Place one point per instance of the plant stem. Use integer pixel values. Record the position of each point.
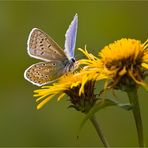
(133, 98)
(99, 131)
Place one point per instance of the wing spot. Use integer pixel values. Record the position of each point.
(42, 53)
(49, 45)
(54, 64)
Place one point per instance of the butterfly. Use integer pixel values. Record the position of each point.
(56, 61)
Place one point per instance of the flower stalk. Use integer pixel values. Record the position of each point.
(133, 98)
(99, 131)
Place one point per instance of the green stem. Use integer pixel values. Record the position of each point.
(99, 131)
(133, 98)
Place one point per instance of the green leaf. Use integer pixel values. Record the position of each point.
(126, 106)
(100, 104)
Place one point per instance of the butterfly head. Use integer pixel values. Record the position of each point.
(73, 65)
(72, 60)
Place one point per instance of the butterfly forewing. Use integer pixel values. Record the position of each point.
(70, 38)
(44, 72)
(43, 47)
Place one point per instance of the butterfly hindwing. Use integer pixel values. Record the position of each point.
(43, 47)
(44, 72)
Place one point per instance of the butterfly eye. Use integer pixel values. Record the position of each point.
(73, 60)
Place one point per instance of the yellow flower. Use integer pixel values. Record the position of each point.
(69, 85)
(124, 62)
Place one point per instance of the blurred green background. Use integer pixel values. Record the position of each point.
(100, 23)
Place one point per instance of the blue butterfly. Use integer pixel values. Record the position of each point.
(57, 61)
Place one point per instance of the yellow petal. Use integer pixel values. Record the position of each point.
(123, 71)
(61, 96)
(144, 65)
(39, 106)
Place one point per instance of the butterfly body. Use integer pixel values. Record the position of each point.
(56, 61)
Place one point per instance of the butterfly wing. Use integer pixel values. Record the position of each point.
(70, 36)
(41, 46)
(44, 72)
